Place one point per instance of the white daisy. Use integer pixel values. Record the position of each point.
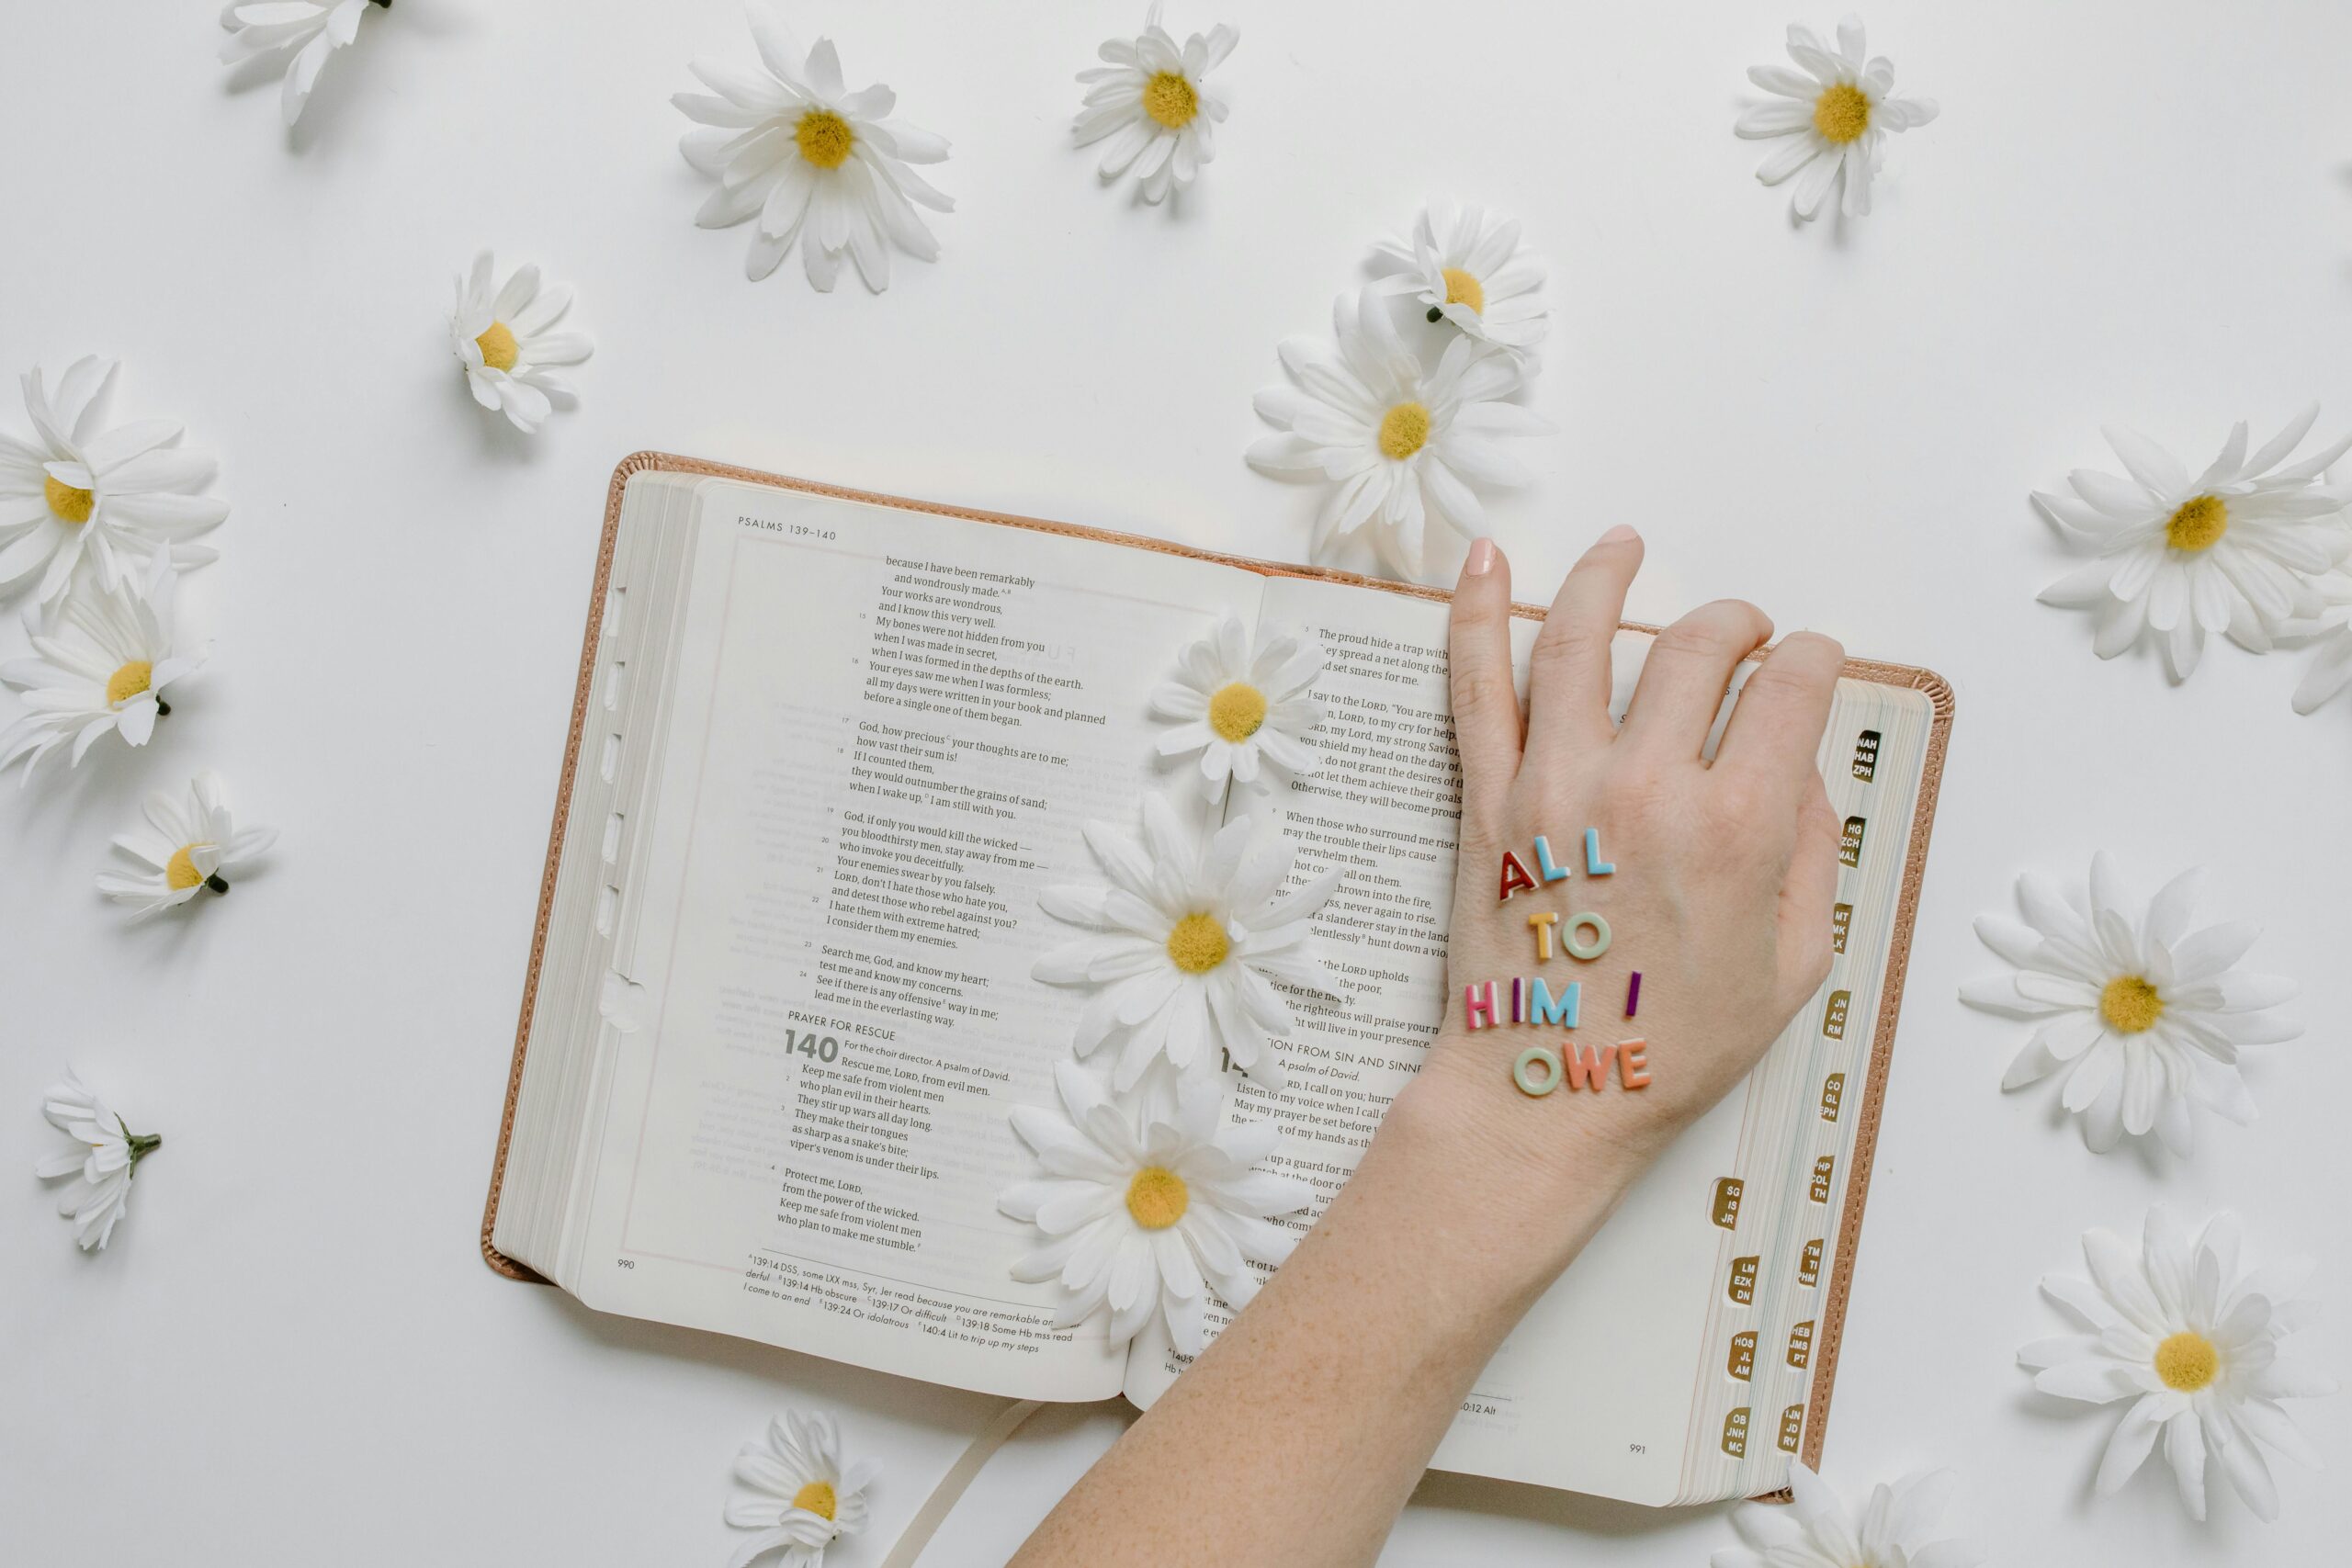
(1140, 1217)
(803, 1498)
(1154, 101)
(190, 844)
(79, 490)
(1837, 111)
(2329, 630)
(2176, 1327)
(813, 160)
(2140, 1014)
(1234, 708)
(100, 663)
(1183, 944)
(1896, 1529)
(105, 1155)
(503, 335)
(2230, 550)
(1401, 445)
(1466, 266)
(306, 31)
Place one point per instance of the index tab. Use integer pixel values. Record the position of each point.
(1809, 1267)
(1801, 1345)
(1866, 755)
(1791, 1427)
(1850, 842)
(1841, 922)
(1736, 1433)
(1833, 1095)
(1743, 1280)
(1833, 1017)
(1821, 1168)
(1742, 1361)
(1727, 1208)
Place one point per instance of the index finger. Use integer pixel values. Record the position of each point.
(1776, 725)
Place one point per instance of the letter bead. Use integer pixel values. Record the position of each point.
(1515, 877)
(1478, 1005)
(1593, 864)
(1590, 948)
(1544, 865)
(1532, 1082)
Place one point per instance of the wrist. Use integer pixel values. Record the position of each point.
(1498, 1193)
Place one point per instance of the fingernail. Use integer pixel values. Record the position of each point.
(1482, 559)
(1618, 534)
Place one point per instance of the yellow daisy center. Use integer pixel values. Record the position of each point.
(2198, 525)
(180, 872)
(824, 139)
(1197, 944)
(1156, 1198)
(497, 345)
(1237, 711)
(1461, 288)
(1170, 100)
(65, 503)
(2187, 1362)
(128, 681)
(1842, 113)
(1403, 430)
(2130, 1005)
(818, 1498)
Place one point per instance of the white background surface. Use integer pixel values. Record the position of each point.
(2132, 210)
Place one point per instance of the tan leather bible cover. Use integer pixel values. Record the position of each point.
(1831, 1332)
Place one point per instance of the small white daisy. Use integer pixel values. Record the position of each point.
(1234, 708)
(1837, 111)
(1401, 445)
(1896, 1529)
(99, 664)
(2140, 1015)
(803, 1498)
(1140, 1217)
(2329, 631)
(190, 844)
(814, 161)
(79, 490)
(2176, 1326)
(105, 1157)
(1154, 101)
(2232, 549)
(306, 31)
(1465, 266)
(1184, 943)
(504, 335)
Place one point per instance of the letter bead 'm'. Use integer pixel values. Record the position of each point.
(1525, 1074)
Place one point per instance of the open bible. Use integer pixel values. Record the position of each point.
(826, 749)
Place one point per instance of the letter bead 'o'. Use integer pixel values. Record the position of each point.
(1570, 936)
(1537, 1071)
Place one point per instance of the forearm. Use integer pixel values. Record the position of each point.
(1297, 1435)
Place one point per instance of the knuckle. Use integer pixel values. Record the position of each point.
(1561, 646)
(1780, 678)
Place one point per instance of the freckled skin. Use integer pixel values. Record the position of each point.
(1297, 1435)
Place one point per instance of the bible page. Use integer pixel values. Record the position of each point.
(887, 730)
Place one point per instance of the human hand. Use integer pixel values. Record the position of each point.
(1725, 872)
